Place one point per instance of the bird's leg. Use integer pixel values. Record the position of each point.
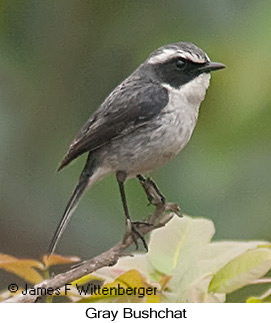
(155, 196)
(132, 226)
(148, 184)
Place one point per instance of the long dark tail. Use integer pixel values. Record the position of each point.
(73, 202)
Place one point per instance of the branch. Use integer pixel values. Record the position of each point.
(110, 257)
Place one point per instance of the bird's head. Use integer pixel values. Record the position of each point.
(179, 63)
(183, 67)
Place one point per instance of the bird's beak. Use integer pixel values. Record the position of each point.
(211, 66)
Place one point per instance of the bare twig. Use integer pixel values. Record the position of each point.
(110, 257)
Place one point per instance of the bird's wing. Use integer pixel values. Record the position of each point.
(128, 107)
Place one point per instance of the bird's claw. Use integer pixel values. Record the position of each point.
(132, 230)
(152, 191)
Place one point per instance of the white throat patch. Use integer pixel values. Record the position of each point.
(194, 91)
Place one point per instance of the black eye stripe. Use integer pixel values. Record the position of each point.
(186, 63)
(180, 63)
(177, 71)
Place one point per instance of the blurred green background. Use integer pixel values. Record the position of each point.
(60, 59)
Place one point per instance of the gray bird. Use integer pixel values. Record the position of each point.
(143, 123)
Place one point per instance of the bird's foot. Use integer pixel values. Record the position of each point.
(132, 229)
(173, 207)
(152, 191)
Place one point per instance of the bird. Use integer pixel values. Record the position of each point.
(142, 124)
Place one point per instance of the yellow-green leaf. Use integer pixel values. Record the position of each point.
(85, 279)
(54, 259)
(265, 298)
(131, 280)
(241, 271)
(22, 267)
(179, 237)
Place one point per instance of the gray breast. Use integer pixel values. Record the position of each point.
(161, 139)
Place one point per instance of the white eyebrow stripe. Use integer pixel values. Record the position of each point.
(165, 55)
(168, 54)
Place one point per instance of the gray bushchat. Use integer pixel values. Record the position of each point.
(143, 123)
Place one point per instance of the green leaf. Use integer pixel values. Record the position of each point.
(197, 292)
(241, 271)
(265, 298)
(182, 255)
(203, 259)
(176, 240)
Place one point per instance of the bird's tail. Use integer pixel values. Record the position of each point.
(84, 181)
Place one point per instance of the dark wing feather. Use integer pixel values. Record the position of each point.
(128, 107)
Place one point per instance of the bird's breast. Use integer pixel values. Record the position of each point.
(178, 121)
(161, 139)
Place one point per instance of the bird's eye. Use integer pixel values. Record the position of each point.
(180, 64)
